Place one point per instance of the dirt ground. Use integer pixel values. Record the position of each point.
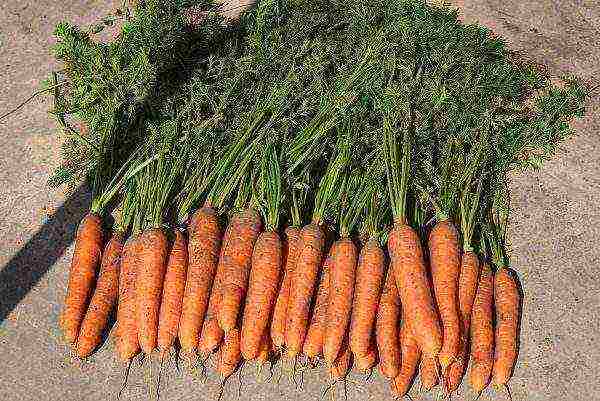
(555, 230)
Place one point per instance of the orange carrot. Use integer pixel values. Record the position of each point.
(230, 356)
(127, 328)
(428, 372)
(369, 280)
(212, 334)
(313, 342)
(237, 258)
(262, 292)
(507, 300)
(150, 276)
(203, 252)
(264, 350)
(172, 296)
(411, 353)
(302, 287)
(409, 269)
(340, 367)
(387, 328)
(86, 257)
(367, 361)
(445, 269)
(341, 280)
(291, 247)
(467, 287)
(104, 298)
(482, 331)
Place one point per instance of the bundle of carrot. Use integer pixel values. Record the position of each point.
(320, 180)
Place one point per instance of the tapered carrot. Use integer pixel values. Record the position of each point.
(341, 281)
(104, 299)
(428, 372)
(369, 280)
(367, 361)
(127, 343)
(340, 367)
(86, 257)
(203, 253)
(482, 331)
(313, 342)
(237, 258)
(467, 287)
(150, 277)
(409, 269)
(212, 334)
(230, 356)
(445, 269)
(302, 287)
(291, 247)
(264, 350)
(507, 301)
(411, 353)
(172, 295)
(387, 328)
(262, 292)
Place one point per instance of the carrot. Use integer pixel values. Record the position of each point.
(411, 353)
(212, 334)
(428, 372)
(367, 361)
(150, 276)
(230, 356)
(369, 280)
(291, 247)
(482, 331)
(127, 327)
(172, 296)
(340, 367)
(104, 298)
(387, 328)
(237, 258)
(302, 287)
(341, 279)
(264, 350)
(313, 342)
(86, 257)
(262, 292)
(445, 269)
(507, 301)
(203, 250)
(408, 266)
(467, 287)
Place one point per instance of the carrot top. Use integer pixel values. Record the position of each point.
(269, 183)
(397, 156)
(329, 185)
(208, 144)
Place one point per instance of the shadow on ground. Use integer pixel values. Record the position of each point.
(34, 260)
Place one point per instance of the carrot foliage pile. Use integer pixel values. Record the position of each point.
(317, 179)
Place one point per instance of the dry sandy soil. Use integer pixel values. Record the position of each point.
(554, 229)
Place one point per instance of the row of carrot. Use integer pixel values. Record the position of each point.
(249, 293)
